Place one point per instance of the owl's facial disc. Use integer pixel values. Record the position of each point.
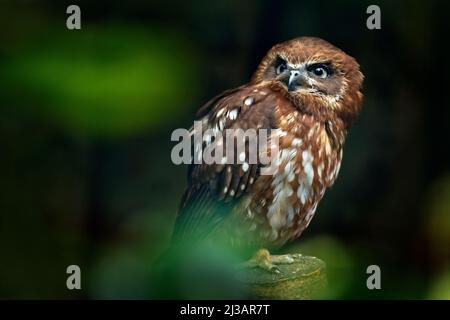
(307, 77)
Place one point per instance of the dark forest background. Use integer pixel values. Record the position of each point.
(86, 118)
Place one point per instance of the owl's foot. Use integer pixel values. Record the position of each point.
(264, 260)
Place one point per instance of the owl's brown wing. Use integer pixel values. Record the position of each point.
(214, 189)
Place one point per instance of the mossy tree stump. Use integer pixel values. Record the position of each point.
(301, 280)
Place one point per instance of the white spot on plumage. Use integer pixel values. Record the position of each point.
(291, 177)
(220, 112)
(281, 211)
(290, 214)
(232, 193)
(242, 156)
(310, 214)
(328, 148)
(248, 101)
(312, 132)
(307, 156)
(302, 192)
(296, 142)
(293, 153)
(288, 168)
(289, 171)
(289, 191)
(320, 169)
(245, 167)
(309, 171)
(306, 179)
(233, 114)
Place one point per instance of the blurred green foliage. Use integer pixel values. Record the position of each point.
(113, 80)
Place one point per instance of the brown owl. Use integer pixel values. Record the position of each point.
(309, 91)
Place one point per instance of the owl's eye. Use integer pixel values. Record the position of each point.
(281, 68)
(319, 70)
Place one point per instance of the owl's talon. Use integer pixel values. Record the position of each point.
(264, 260)
(284, 259)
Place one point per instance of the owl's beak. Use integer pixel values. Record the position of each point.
(295, 79)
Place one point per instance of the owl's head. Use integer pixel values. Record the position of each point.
(317, 77)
